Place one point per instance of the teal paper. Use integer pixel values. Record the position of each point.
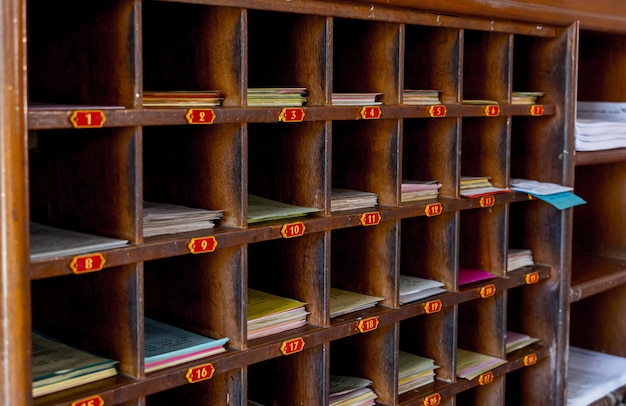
(561, 200)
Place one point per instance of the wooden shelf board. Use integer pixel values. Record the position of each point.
(592, 275)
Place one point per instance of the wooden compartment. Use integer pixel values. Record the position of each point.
(194, 47)
(82, 311)
(185, 165)
(363, 260)
(481, 328)
(366, 58)
(86, 180)
(482, 241)
(365, 158)
(292, 268)
(432, 336)
(432, 57)
(299, 150)
(287, 50)
(80, 57)
(287, 379)
(372, 356)
(486, 66)
(430, 152)
(428, 247)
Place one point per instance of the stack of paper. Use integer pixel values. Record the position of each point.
(414, 190)
(344, 301)
(162, 218)
(518, 258)
(207, 98)
(420, 97)
(57, 366)
(476, 186)
(592, 375)
(600, 126)
(515, 341)
(348, 199)
(471, 364)
(262, 209)
(414, 371)
(348, 391)
(356, 99)
(468, 275)
(166, 345)
(270, 314)
(413, 288)
(525, 97)
(557, 195)
(48, 242)
(479, 102)
(277, 96)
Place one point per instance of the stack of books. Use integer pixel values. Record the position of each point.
(515, 341)
(420, 97)
(470, 364)
(592, 375)
(208, 98)
(600, 126)
(162, 218)
(525, 97)
(166, 345)
(48, 242)
(518, 258)
(414, 190)
(476, 186)
(349, 391)
(263, 209)
(277, 96)
(57, 366)
(270, 314)
(413, 288)
(344, 301)
(356, 99)
(414, 371)
(348, 199)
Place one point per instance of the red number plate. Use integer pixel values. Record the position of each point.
(432, 400)
(530, 359)
(485, 378)
(433, 306)
(293, 230)
(87, 119)
(369, 324)
(92, 401)
(492, 111)
(487, 291)
(371, 112)
(437, 111)
(536, 110)
(87, 263)
(370, 219)
(292, 346)
(531, 278)
(200, 373)
(291, 115)
(200, 116)
(203, 244)
(487, 201)
(434, 209)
